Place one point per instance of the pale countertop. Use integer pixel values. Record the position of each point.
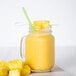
(65, 60)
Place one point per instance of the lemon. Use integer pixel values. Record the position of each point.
(3, 71)
(26, 70)
(15, 64)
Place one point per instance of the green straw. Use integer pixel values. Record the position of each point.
(27, 17)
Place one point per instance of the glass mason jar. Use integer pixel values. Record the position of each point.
(39, 50)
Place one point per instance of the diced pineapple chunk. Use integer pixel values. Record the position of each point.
(37, 25)
(41, 25)
(3, 71)
(26, 70)
(3, 64)
(15, 73)
(45, 25)
(15, 64)
(25, 63)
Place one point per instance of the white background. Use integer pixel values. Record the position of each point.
(61, 12)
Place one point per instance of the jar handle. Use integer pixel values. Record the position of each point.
(21, 46)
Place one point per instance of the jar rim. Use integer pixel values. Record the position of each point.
(45, 30)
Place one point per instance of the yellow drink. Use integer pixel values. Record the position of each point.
(39, 47)
(40, 51)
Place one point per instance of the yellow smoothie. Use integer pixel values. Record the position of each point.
(40, 50)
